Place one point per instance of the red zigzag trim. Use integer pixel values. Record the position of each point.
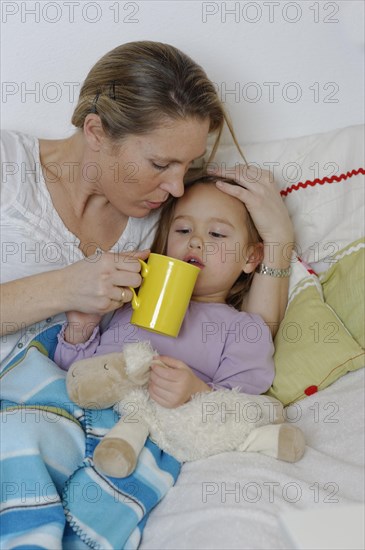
(310, 183)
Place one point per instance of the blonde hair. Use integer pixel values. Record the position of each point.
(135, 87)
(159, 245)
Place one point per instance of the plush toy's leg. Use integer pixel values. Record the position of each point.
(117, 453)
(282, 441)
(275, 410)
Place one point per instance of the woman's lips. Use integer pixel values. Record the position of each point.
(153, 205)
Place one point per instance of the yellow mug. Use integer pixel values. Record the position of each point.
(164, 294)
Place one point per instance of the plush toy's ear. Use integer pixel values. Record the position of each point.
(138, 358)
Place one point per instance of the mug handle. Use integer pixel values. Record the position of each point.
(135, 302)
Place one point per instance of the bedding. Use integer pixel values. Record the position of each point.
(235, 500)
(47, 443)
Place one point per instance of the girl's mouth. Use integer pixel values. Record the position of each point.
(194, 260)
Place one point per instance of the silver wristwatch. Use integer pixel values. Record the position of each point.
(263, 269)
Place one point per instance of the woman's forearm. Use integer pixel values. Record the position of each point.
(91, 285)
(268, 296)
(30, 300)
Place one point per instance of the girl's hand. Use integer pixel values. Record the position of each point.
(258, 191)
(82, 319)
(80, 326)
(172, 382)
(99, 284)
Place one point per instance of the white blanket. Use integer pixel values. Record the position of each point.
(233, 500)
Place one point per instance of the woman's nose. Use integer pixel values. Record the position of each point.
(175, 188)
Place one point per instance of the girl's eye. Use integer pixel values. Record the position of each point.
(159, 166)
(217, 235)
(183, 231)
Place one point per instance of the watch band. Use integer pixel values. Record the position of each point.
(263, 269)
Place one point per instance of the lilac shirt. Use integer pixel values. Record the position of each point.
(224, 347)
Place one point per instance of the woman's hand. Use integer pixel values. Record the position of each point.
(172, 382)
(259, 192)
(99, 284)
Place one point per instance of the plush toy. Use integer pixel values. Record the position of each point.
(210, 423)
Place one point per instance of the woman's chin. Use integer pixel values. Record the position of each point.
(143, 209)
(140, 211)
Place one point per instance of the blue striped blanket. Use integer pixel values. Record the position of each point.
(51, 494)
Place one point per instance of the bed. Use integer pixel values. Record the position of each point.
(231, 500)
(238, 501)
(242, 501)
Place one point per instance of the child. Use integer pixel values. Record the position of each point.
(218, 345)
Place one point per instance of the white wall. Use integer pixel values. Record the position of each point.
(313, 49)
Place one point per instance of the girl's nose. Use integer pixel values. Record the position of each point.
(196, 242)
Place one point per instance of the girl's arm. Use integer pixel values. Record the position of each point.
(81, 337)
(80, 327)
(67, 353)
(247, 361)
(268, 295)
(247, 364)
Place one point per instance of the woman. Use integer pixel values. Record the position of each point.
(143, 116)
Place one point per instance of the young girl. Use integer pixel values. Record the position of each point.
(218, 345)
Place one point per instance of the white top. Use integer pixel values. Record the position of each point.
(33, 237)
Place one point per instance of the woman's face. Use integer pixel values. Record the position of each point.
(150, 167)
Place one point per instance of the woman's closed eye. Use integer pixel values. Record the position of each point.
(160, 167)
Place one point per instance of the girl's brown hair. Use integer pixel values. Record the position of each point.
(137, 86)
(159, 245)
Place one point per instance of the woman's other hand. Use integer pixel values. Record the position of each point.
(261, 196)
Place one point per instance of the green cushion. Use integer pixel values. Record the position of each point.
(313, 348)
(343, 288)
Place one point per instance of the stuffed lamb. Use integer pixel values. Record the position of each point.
(210, 423)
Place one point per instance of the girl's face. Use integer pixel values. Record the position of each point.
(209, 230)
(150, 167)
